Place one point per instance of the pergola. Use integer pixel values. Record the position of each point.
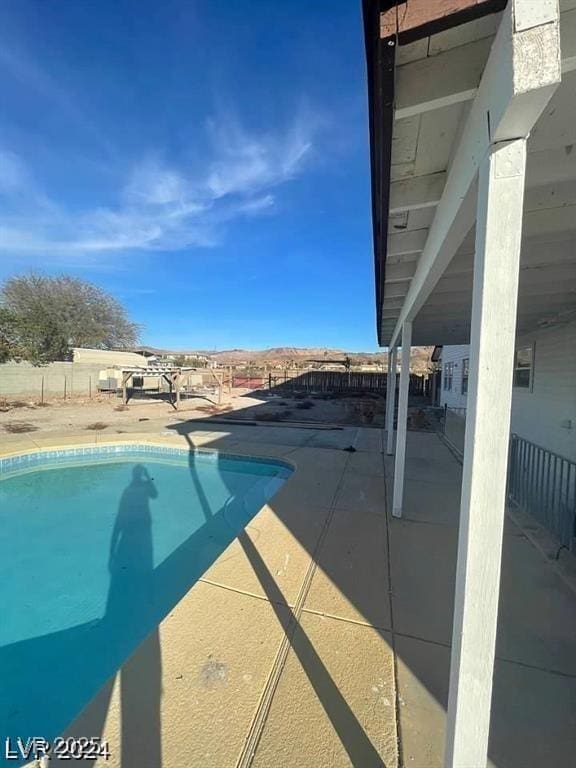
(173, 375)
(473, 152)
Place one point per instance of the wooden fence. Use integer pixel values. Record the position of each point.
(314, 381)
(324, 381)
(340, 381)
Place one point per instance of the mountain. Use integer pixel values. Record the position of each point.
(276, 354)
(420, 356)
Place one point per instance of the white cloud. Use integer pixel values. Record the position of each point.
(246, 164)
(153, 184)
(13, 175)
(159, 207)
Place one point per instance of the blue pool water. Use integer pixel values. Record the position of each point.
(94, 551)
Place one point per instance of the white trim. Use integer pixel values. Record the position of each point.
(402, 425)
(391, 401)
(532, 348)
(493, 329)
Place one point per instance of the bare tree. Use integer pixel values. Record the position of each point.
(42, 318)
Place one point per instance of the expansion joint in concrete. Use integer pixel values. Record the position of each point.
(254, 734)
(391, 609)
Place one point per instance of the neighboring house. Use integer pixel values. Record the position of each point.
(108, 357)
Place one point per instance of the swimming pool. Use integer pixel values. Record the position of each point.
(96, 546)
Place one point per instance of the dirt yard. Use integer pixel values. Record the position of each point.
(106, 413)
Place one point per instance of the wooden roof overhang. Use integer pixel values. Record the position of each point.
(447, 80)
(389, 24)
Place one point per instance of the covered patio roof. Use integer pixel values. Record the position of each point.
(433, 111)
(473, 128)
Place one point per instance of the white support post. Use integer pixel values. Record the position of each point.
(402, 421)
(493, 323)
(391, 399)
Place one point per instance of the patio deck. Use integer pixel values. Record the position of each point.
(321, 635)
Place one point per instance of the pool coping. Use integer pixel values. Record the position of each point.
(158, 441)
(11, 463)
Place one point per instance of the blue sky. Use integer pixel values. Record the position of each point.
(206, 161)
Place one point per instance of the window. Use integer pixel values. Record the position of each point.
(448, 373)
(524, 367)
(465, 375)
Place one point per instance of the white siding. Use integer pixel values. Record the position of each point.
(454, 354)
(546, 414)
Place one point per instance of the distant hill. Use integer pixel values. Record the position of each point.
(276, 354)
(420, 356)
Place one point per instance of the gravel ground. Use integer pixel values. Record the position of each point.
(106, 413)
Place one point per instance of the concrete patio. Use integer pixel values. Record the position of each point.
(321, 636)
(533, 721)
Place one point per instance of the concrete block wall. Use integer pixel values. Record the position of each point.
(55, 379)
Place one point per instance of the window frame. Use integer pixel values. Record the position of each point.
(465, 376)
(517, 368)
(448, 376)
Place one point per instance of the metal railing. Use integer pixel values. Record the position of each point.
(540, 481)
(454, 427)
(543, 483)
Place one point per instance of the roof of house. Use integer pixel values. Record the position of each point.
(427, 73)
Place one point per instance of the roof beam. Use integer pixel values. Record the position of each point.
(529, 306)
(395, 296)
(417, 192)
(550, 256)
(400, 272)
(545, 170)
(522, 72)
(403, 243)
(568, 40)
(458, 291)
(453, 76)
(439, 81)
(395, 302)
(542, 225)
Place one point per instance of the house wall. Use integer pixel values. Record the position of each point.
(63, 379)
(454, 398)
(545, 414)
(107, 357)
